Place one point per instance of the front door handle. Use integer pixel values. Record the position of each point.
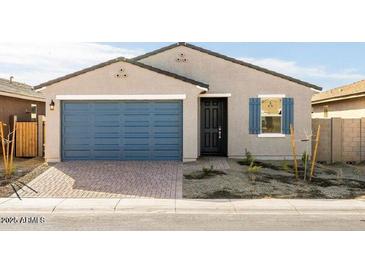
(219, 132)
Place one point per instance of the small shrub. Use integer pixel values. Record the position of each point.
(285, 166)
(248, 159)
(339, 175)
(203, 173)
(253, 170)
(207, 171)
(358, 172)
(305, 158)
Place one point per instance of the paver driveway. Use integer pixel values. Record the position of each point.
(109, 179)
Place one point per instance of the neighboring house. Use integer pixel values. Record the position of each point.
(343, 102)
(176, 103)
(21, 100)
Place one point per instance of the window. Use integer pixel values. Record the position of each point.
(33, 113)
(271, 115)
(325, 111)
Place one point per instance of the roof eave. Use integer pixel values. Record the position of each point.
(22, 96)
(338, 98)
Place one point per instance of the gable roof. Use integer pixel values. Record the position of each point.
(340, 93)
(123, 59)
(230, 59)
(19, 90)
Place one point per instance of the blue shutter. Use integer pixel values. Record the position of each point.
(254, 115)
(288, 114)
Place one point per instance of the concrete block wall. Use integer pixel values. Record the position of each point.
(342, 140)
(336, 142)
(351, 140)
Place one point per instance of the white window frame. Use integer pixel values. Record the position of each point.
(272, 135)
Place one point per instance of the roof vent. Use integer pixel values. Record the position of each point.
(11, 79)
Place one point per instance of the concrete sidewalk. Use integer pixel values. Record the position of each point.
(221, 206)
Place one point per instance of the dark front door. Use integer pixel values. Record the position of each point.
(213, 126)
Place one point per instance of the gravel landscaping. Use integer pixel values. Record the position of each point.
(25, 171)
(273, 179)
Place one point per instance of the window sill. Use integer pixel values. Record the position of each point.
(271, 135)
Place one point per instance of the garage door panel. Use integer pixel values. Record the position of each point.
(136, 155)
(77, 154)
(163, 155)
(136, 141)
(75, 143)
(76, 107)
(136, 124)
(112, 119)
(106, 107)
(167, 141)
(167, 132)
(107, 131)
(124, 130)
(106, 154)
(77, 119)
(106, 141)
(137, 132)
(82, 130)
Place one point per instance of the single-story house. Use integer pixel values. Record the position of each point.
(176, 103)
(21, 100)
(342, 102)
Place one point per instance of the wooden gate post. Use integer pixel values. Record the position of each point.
(41, 119)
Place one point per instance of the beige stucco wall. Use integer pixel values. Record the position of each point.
(242, 82)
(103, 81)
(350, 108)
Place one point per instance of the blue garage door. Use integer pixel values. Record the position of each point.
(122, 130)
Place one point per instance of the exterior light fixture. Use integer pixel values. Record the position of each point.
(51, 105)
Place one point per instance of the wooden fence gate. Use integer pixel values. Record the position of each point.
(26, 144)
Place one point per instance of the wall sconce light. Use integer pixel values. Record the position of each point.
(51, 105)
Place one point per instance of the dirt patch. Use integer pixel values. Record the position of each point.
(329, 182)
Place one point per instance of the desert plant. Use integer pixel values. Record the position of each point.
(358, 172)
(248, 156)
(339, 175)
(305, 158)
(253, 170)
(285, 166)
(7, 145)
(208, 171)
(203, 173)
(248, 159)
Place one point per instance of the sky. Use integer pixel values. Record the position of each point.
(328, 65)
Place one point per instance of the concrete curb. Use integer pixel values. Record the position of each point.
(172, 206)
